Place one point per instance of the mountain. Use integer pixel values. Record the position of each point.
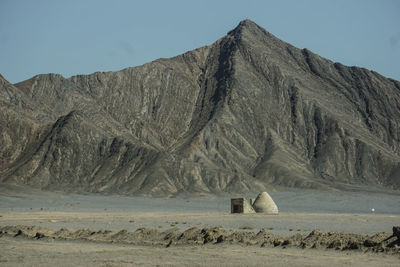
(245, 114)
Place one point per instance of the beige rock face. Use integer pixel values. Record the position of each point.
(265, 204)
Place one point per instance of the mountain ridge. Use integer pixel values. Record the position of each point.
(246, 113)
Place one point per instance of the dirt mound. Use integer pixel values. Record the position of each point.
(380, 242)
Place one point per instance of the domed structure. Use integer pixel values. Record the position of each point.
(265, 204)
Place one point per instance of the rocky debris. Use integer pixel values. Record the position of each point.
(395, 243)
(244, 114)
(380, 242)
(396, 231)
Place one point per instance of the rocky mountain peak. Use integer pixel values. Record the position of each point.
(250, 31)
(246, 26)
(245, 114)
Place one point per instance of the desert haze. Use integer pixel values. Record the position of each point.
(138, 166)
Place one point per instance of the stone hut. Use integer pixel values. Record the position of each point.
(262, 204)
(240, 205)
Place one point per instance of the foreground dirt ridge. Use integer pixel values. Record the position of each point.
(380, 242)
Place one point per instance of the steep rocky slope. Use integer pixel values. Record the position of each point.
(244, 114)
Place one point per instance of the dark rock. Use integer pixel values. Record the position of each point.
(370, 243)
(336, 244)
(39, 235)
(220, 239)
(396, 231)
(19, 233)
(277, 242)
(353, 245)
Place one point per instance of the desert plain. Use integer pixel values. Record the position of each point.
(313, 228)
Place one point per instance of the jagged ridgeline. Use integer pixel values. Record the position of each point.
(244, 114)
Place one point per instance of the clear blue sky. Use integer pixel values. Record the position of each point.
(80, 37)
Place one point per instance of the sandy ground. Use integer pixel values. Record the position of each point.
(43, 253)
(300, 212)
(284, 223)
